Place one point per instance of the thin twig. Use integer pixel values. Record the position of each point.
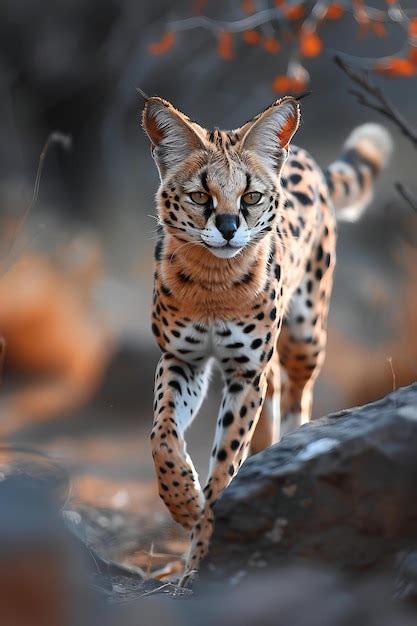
(380, 104)
(54, 138)
(156, 590)
(149, 564)
(394, 385)
(142, 93)
(407, 195)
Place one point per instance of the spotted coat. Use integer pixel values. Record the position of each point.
(241, 285)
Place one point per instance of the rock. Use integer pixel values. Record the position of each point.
(339, 491)
(49, 574)
(296, 596)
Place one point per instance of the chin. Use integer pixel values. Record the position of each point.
(227, 252)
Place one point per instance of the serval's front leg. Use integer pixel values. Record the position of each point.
(179, 391)
(235, 426)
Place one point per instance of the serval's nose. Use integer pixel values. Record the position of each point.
(227, 225)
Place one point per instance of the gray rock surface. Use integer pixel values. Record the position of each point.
(296, 596)
(340, 491)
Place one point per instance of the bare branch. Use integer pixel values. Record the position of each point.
(377, 100)
(396, 14)
(236, 26)
(142, 94)
(407, 195)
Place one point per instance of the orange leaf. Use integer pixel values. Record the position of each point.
(298, 85)
(285, 84)
(281, 83)
(164, 44)
(396, 66)
(248, 6)
(412, 28)
(334, 11)
(294, 12)
(412, 55)
(310, 44)
(271, 44)
(279, 3)
(251, 37)
(225, 45)
(378, 28)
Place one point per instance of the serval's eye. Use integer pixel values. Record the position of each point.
(199, 197)
(252, 197)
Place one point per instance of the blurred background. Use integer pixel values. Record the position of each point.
(76, 265)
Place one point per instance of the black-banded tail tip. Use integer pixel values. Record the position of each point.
(373, 142)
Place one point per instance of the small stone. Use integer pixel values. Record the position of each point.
(290, 490)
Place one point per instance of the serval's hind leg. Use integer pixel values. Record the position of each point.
(302, 342)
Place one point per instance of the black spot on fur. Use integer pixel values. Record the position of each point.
(165, 290)
(184, 278)
(228, 419)
(222, 455)
(175, 385)
(158, 250)
(302, 197)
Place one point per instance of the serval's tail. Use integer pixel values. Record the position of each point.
(352, 176)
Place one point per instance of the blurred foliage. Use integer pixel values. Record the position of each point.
(296, 25)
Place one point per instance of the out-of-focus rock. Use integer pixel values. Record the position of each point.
(339, 491)
(297, 596)
(48, 575)
(42, 577)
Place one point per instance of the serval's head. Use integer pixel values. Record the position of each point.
(219, 189)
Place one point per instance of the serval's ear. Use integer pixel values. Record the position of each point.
(270, 132)
(173, 136)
